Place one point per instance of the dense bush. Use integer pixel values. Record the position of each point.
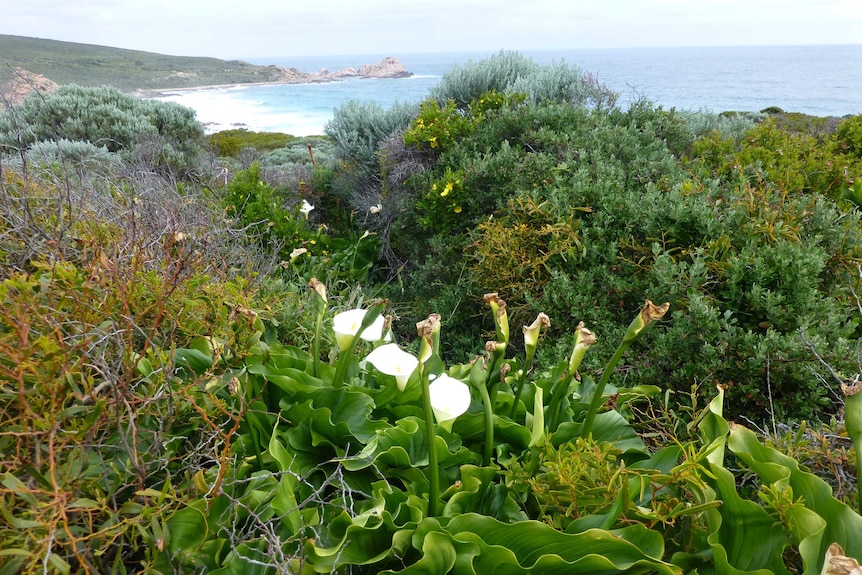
(514, 73)
(164, 135)
(748, 239)
(229, 143)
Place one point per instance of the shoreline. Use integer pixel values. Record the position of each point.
(166, 92)
(388, 68)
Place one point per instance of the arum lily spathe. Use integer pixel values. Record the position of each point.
(429, 335)
(347, 323)
(392, 360)
(501, 317)
(449, 399)
(532, 331)
(306, 208)
(584, 338)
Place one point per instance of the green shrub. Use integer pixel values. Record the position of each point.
(514, 73)
(229, 143)
(357, 129)
(745, 239)
(266, 213)
(164, 134)
(850, 136)
(791, 161)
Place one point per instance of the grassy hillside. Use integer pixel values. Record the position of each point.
(90, 65)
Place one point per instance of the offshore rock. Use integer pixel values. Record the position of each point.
(389, 67)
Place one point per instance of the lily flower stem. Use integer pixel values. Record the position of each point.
(559, 389)
(315, 345)
(517, 391)
(431, 435)
(489, 425)
(598, 392)
(521, 380)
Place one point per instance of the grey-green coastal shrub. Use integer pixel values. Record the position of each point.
(512, 72)
(357, 129)
(497, 73)
(76, 153)
(165, 135)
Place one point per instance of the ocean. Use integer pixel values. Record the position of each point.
(816, 80)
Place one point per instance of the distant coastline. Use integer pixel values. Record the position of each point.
(808, 80)
(33, 63)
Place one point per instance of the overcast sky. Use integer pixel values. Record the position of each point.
(262, 28)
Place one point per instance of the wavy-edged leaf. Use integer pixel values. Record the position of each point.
(608, 427)
(336, 417)
(842, 524)
(400, 446)
(743, 536)
(478, 492)
(534, 547)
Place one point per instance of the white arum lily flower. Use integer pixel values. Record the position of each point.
(306, 207)
(449, 399)
(392, 360)
(347, 323)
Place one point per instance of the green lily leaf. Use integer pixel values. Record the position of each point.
(192, 360)
(472, 425)
(743, 536)
(284, 503)
(336, 417)
(188, 530)
(400, 446)
(842, 524)
(478, 492)
(534, 547)
(609, 427)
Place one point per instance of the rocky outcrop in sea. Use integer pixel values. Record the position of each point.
(389, 67)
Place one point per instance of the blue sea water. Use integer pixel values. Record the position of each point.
(817, 80)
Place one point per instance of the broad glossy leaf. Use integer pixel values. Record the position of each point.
(188, 530)
(354, 544)
(743, 536)
(400, 446)
(480, 491)
(608, 427)
(336, 416)
(192, 360)
(534, 547)
(842, 524)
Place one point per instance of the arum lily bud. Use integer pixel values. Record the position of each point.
(429, 332)
(392, 360)
(837, 563)
(501, 317)
(318, 287)
(584, 338)
(449, 399)
(534, 330)
(853, 411)
(649, 313)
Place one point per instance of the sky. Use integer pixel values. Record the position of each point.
(236, 29)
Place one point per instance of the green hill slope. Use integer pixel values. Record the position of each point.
(128, 70)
